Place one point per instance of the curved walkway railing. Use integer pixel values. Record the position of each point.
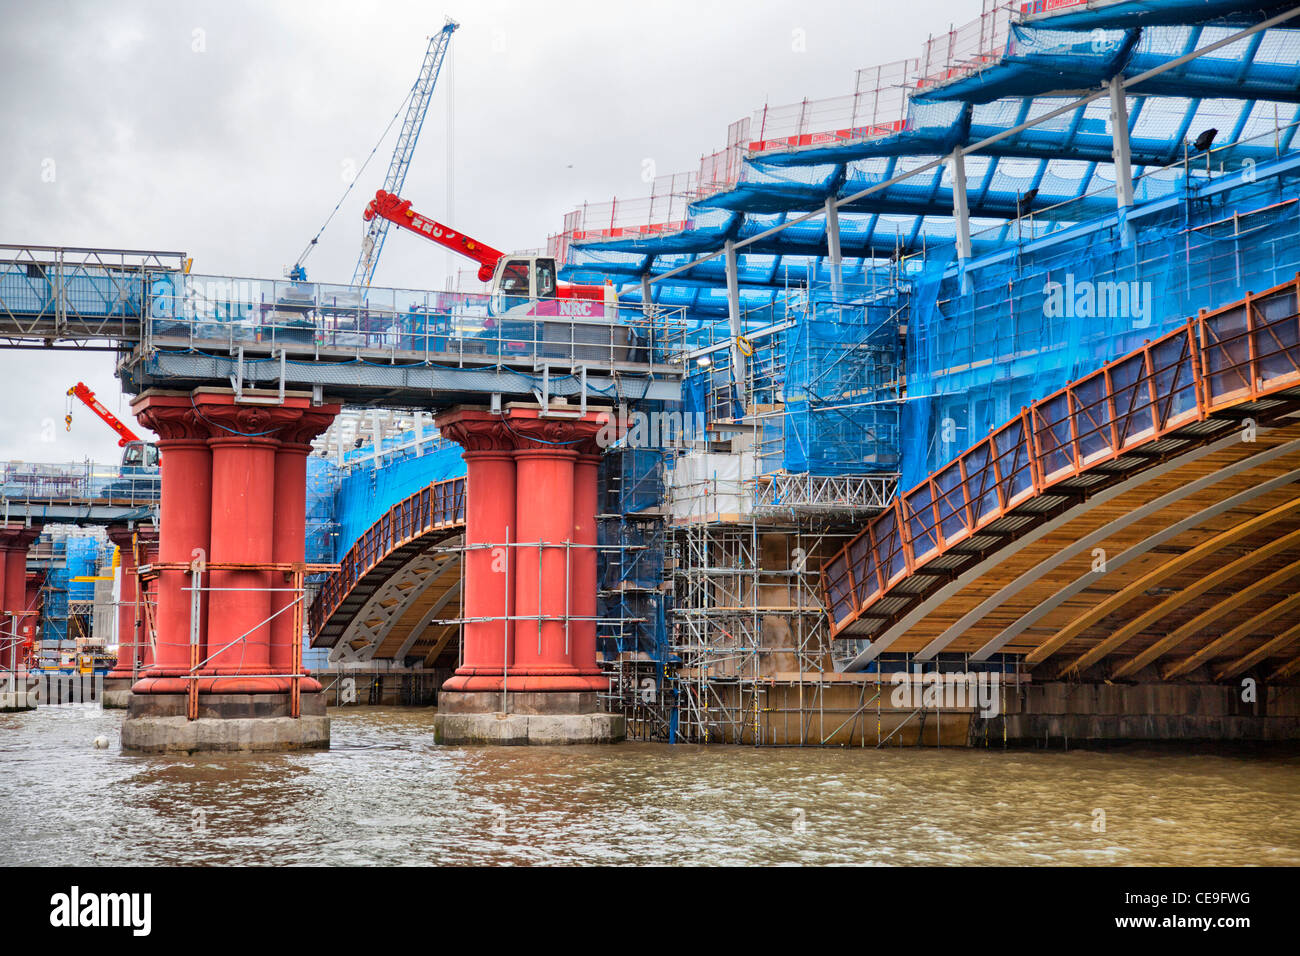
(1218, 360)
(440, 505)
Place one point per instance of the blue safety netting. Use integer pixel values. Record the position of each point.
(83, 559)
(840, 387)
(1016, 327)
(1240, 99)
(631, 480)
(631, 604)
(366, 493)
(322, 528)
(828, 375)
(1039, 58)
(72, 556)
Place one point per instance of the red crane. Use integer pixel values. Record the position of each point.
(521, 284)
(398, 210)
(124, 434)
(138, 456)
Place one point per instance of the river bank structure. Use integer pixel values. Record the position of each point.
(960, 409)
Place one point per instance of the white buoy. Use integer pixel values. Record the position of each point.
(101, 743)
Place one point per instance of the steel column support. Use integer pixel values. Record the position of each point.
(1119, 143)
(960, 208)
(1121, 154)
(738, 375)
(833, 246)
(960, 214)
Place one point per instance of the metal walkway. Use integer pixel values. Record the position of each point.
(399, 347)
(83, 494)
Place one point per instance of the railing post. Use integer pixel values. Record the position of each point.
(1031, 446)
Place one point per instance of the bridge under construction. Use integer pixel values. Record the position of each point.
(959, 409)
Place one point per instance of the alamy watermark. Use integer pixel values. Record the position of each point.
(652, 429)
(1084, 298)
(933, 690)
(31, 689)
(75, 909)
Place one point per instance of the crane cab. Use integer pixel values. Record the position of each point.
(519, 281)
(140, 456)
(528, 285)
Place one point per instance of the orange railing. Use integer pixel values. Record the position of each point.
(440, 505)
(1219, 359)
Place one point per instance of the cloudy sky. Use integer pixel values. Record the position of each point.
(228, 130)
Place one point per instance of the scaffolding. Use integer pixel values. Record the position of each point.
(633, 596)
(747, 618)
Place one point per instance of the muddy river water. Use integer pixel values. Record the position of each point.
(387, 794)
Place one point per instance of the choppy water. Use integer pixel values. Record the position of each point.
(387, 794)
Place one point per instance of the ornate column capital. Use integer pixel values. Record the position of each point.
(475, 429)
(294, 420)
(18, 537)
(171, 414)
(145, 536)
(523, 428)
(311, 423)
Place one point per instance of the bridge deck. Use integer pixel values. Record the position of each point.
(361, 344)
(80, 493)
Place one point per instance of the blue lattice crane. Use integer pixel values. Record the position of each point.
(372, 244)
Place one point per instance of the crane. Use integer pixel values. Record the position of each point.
(137, 452)
(372, 244)
(522, 284)
(80, 391)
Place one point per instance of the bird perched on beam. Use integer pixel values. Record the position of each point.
(1025, 203)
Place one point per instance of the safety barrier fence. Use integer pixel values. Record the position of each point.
(1235, 354)
(77, 483)
(44, 295)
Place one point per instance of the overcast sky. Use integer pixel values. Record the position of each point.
(226, 130)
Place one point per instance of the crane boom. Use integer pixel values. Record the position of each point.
(373, 242)
(124, 434)
(387, 207)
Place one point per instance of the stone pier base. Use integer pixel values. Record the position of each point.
(231, 723)
(1070, 714)
(117, 693)
(528, 718)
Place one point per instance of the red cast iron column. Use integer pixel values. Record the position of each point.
(583, 579)
(244, 438)
(128, 640)
(289, 531)
(489, 566)
(27, 630)
(14, 540)
(556, 503)
(7, 642)
(544, 502)
(185, 519)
